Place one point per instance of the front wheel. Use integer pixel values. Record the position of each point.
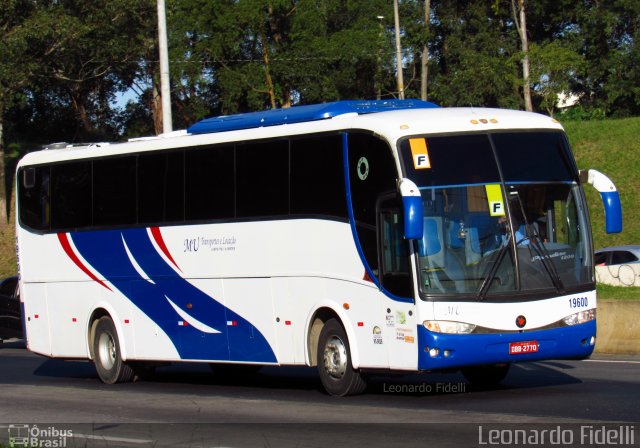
(106, 354)
(487, 375)
(334, 362)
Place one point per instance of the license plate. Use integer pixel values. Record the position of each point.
(521, 348)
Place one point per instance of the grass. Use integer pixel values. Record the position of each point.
(612, 147)
(608, 292)
(8, 264)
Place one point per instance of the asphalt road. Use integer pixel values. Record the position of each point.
(186, 405)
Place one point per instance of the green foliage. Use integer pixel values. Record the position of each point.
(608, 37)
(474, 71)
(612, 147)
(552, 69)
(608, 292)
(580, 113)
(65, 62)
(17, 64)
(266, 53)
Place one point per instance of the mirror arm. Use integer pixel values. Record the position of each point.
(610, 199)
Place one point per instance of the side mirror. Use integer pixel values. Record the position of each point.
(610, 199)
(413, 212)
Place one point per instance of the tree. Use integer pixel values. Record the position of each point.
(16, 71)
(424, 66)
(609, 34)
(257, 54)
(471, 52)
(553, 69)
(520, 20)
(85, 51)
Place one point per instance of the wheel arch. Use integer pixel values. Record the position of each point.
(100, 311)
(316, 321)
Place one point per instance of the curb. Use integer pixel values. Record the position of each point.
(618, 327)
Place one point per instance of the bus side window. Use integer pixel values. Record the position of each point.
(262, 179)
(71, 195)
(34, 198)
(114, 202)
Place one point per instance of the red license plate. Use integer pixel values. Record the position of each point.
(521, 348)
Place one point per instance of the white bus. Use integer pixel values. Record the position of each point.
(355, 236)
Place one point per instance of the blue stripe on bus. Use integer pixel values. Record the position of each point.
(106, 253)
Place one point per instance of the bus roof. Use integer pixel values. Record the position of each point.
(392, 119)
(302, 114)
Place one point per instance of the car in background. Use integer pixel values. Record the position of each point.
(615, 255)
(10, 314)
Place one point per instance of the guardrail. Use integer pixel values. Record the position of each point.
(619, 274)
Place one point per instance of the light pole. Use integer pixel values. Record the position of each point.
(399, 76)
(165, 90)
(378, 80)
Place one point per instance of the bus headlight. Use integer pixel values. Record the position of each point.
(580, 318)
(446, 326)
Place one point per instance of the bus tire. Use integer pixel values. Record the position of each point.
(486, 375)
(334, 362)
(106, 354)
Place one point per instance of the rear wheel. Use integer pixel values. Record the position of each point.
(487, 375)
(334, 362)
(106, 354)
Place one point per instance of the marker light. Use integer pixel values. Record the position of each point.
(446, 326)
(581, 317)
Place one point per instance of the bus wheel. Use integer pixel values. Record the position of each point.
(487, 375)
(106, 353)
(334, 362)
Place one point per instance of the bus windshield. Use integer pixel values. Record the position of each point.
(504, 215)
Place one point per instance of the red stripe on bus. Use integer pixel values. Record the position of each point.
(157, 236)
(64, 242)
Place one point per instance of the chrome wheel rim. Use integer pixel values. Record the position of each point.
(335, 357)
(106, 351)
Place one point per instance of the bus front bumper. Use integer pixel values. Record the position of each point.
(446, 351)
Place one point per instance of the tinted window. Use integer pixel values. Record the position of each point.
(209, 183)
(71, 195)
(317, 176)
(372, 172)
(534, 156)
(114, 191)
(262, 179)
(622, 257)
(161, 187)
(600, 259)
(34, 198)
(452, 160)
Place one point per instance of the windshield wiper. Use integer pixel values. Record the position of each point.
(543, 253)
(536, 242)
(491, 275)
